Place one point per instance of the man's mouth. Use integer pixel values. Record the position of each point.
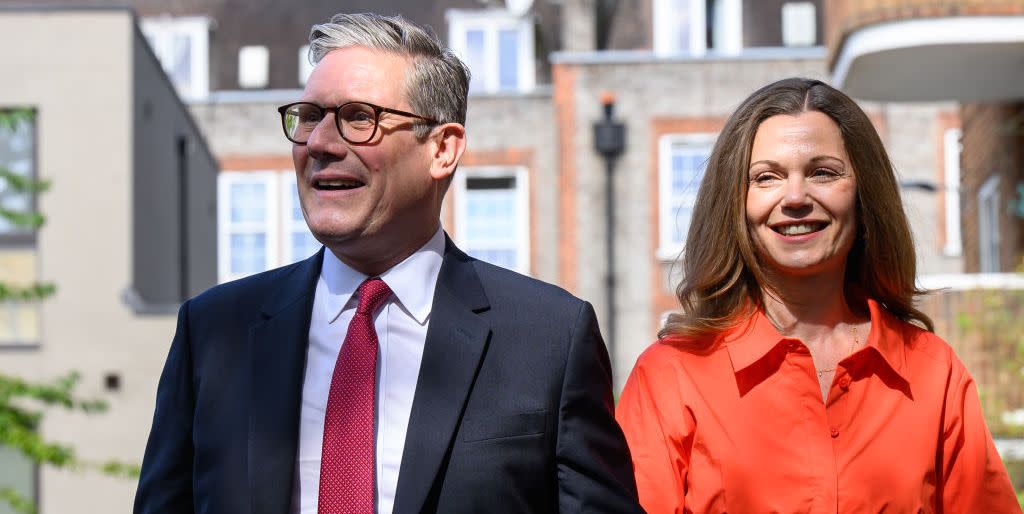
(799, 229)
(336, 184)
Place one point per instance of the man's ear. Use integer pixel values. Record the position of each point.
(447, 144)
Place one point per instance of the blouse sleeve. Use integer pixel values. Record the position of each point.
(659, 430)
(974, 477)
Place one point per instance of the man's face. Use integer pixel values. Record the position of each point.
(370, 203)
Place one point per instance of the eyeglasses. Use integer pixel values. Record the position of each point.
(356, 121)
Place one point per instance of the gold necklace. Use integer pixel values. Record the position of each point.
(854, 344)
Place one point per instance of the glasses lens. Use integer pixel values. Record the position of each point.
(357, 121)
(300, 120)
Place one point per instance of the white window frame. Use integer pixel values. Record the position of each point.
(667, 218)
(951, 147)
(253, 67)
(491, 21)
(791, 38)
(666, 32)
(521, 176)
(305, 67)
(225, 227)
(160, 30)
(727, 33)
(988, 226)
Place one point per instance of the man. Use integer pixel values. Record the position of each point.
(389, 372)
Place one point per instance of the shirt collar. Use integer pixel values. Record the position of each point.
(412, 281)
(753, 338)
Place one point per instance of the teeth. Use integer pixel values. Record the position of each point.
(796, 230)
(338, 183)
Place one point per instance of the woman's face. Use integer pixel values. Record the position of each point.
(801, 195)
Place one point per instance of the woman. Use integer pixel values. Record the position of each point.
(798, 376)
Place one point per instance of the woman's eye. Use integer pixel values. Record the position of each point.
(824, 174)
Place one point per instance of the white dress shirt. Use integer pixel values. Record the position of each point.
(401, 331)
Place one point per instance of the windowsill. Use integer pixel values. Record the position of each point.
(133, 300)
(19, 346)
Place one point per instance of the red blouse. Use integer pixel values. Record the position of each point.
(743, 428)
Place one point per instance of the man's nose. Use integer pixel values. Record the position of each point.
(325, 138)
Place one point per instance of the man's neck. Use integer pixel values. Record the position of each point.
(375, 259)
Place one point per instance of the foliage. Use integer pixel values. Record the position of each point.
(23, 403)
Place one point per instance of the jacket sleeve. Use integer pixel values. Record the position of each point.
(165, 484)
(593, 464)
(660, 434)
(974, 478)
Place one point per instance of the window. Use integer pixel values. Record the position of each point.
(988, 226)
(951, 190)
(497, 47)
(253, 67)
(260, 223)
(492, 216)
(681, 162)
(799, 24)
(305, 67)
(679, 27)
(19, 319)
(17, 158)
(726, 26)
(182, 45)
(299, 243)
(19, 473)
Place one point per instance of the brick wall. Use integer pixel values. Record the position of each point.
(992, 146)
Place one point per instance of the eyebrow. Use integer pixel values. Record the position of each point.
(814, 160)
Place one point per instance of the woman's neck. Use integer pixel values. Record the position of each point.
(807, 307)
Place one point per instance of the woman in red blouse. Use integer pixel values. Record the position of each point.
(799, 376)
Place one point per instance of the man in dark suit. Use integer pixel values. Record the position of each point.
(390, 372)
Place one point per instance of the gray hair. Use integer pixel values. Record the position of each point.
(437, 84)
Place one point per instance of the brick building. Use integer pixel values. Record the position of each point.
(531, 191)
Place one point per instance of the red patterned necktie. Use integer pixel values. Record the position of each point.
(347, 460)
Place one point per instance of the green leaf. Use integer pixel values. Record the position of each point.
(30, 220)
(19, 503)
(31, 293)
(22, 184)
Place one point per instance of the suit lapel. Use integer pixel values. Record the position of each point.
(455, 345)
(277, 361)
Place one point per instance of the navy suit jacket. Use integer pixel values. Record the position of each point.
(512, 410)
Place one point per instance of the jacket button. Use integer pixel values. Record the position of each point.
(835, 432)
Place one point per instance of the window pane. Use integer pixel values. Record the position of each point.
(303, 244)
(508, 59)
(248, 202)
(687, 170)
(18, 473)
(475, 59)
(248, 253)
(16, 156)
(491, 225)
(180, 60)
(296, 206)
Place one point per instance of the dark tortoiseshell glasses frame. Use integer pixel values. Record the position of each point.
(357, 122)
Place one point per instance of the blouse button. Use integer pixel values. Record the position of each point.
(835, 432)
(844, 382)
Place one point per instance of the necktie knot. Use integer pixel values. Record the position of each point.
(372, 293)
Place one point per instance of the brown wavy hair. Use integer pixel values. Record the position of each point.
(722, 275)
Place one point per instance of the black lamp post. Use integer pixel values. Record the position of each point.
(610, 141)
